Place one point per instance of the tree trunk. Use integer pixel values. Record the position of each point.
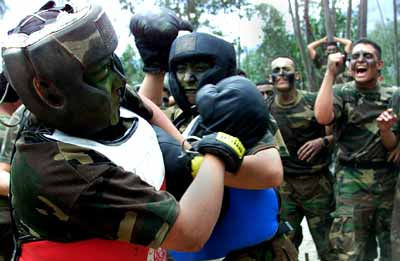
(328, 22)
(333, 17)
(301, 44)
(396, 46)
(348, 20)
(362, 19)
(309, 33)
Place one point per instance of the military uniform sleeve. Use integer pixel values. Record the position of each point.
(10, 136)
(65, 192)
(338, 105)
(122, 206)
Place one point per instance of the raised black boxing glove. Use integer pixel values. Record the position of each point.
(154, 32)
(234, 106)
(226, 147)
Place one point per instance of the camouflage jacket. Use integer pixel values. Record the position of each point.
(298, 125)
(4, 209)
(355, 128)
(65, 192)
(10, 135)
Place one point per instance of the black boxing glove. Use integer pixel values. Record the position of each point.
(226, 147)
(154, 32)
(234, 106)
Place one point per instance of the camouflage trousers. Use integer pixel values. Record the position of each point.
(311, 197)
(279, 248)
(6, 240)
(395, 235)
(364, 203)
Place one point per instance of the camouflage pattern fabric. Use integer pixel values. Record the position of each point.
(6, 241)
(298, 125)
(395, 235)
(274, 129)
(311, 197)
(355, 130)
(10, 136)
(307, 190)
(77, 193)
(279, 248)
(395, 225)
(365, 182)
(364, 208)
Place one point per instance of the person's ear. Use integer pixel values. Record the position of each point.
(379, 64)
(297, 76)
(48, 93)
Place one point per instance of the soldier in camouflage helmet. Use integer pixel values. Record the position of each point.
(87, 175)
(365, 179)
(307, 190)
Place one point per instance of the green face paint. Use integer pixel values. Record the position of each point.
(105, 76)
(188, 75)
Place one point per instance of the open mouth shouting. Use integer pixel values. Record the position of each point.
(361, 70)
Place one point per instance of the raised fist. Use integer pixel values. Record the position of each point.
(154, 32)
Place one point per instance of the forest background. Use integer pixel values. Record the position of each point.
(282, 33)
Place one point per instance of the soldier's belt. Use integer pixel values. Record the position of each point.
(365, 164)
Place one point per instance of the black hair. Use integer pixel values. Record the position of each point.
(11, 95)
(372, 43)
(263, 82)
(332, 44)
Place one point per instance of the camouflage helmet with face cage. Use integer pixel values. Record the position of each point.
(50, 50)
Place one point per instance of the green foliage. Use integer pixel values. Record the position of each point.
(384, 36)
(276, 41)
(193, 10)
(133, 66)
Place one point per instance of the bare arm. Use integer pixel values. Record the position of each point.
(324, 102)
(152, 87)
(261, 170)
(151, 93)
(312, 46)
(4, 178)
(346, 42)
(200, 208)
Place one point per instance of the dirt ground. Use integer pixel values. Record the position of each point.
(307, 246)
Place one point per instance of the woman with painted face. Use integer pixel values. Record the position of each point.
(197, 63)
(365, 131)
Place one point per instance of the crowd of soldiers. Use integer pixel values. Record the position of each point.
(195, 165)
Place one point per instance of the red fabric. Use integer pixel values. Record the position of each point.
(90, 250)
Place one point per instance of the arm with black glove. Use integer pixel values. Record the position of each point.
(154, 32)
(235, 106)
